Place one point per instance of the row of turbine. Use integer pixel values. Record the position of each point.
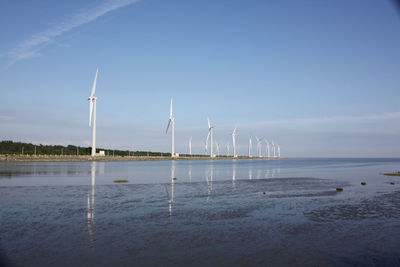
(271, 149)
(171, 124)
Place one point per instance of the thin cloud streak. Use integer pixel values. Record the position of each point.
(31, 47)
(321, 120)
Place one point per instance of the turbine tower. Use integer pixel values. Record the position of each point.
(92, 115)
(273, 148)
(234, 142)
(171, 121)
(250, 146)
(259, 146)
(190, 146)
(267, 149)
(210, 136)
(279, 150)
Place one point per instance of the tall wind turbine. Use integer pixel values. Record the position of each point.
(190, 146)
(250, 146)
(234, 142)
(267, 148)
(171, 121)
(92, 115)
(273, 148)
(259, 146)
(228, 152)
(210, 136)
(279, 150)
(218, 149)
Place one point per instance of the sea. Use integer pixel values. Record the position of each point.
(245, 212)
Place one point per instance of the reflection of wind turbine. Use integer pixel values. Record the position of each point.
(190, 146)
(259, 146)
(250, 146)
(210, 136)
(267, 148)
(209, 180)
(92, 114)
(171, 194)
(171, 121)
(90, 201)
(234, 142)
(234, 173)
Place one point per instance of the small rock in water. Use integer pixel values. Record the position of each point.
(264, 193)
(174, 178)
(392, 183)
(339, 188)
(120, 181)
(363, 183)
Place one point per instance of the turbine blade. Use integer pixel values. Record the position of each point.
(169, 123)
(209, 124)
(93, 91)
(91, 113)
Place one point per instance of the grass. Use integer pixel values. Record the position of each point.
(120, 181)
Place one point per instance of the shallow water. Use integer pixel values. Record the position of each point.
(231, 212)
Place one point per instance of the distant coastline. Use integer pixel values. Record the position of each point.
(29, 158)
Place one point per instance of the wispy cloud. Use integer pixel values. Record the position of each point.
(6, 118)
(322, 120)
(31, 47)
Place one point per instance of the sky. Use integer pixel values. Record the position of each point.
(319, 78)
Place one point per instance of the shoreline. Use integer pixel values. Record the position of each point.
(74, 158)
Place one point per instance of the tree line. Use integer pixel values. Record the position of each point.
(20, 148)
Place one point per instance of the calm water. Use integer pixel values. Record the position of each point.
(241, 212)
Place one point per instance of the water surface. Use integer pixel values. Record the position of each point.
(242, 212)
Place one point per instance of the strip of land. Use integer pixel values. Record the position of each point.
(113, 158)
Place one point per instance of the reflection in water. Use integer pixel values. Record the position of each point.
(250, 173)
(234, 174)
(209, 179)
(170, 193)
(190, 172)
(90, 202)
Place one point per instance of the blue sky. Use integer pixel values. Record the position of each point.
(321, 78)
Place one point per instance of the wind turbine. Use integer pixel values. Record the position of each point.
(217, 149)
(228, 149)
(267, 148)
(279, 150)
(259, 146)
(190, 146)
(250, 146)
(234, 142)
(273, 148)
(171, 121)
(92, 115)
(210, 135)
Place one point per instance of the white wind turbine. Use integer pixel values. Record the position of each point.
(250, 146)
(210, 136)
(267, 148)
(273, 148)
(228, 149)
(190, 146)
(234, 142)
(171, 121)
(92, 115)
(217, 149)
(279, 150)
(259, 146)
